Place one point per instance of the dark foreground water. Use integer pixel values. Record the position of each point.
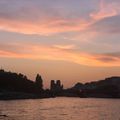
(61, 109)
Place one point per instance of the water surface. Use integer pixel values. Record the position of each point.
(61, 109)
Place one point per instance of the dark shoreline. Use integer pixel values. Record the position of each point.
(18, 86)
(21, 96)
(26, 96)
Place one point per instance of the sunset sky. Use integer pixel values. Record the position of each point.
(70, 40)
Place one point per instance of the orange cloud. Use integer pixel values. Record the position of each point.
(52, 53)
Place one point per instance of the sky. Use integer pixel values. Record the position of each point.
(71, 40)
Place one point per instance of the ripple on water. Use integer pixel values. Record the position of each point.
(60, 109)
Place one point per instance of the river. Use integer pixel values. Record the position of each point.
(61, 108)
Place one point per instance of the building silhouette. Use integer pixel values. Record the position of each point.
(56, 86)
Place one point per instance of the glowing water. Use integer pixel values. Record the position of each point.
(61, 109)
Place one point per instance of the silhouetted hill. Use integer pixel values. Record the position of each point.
(110, 87)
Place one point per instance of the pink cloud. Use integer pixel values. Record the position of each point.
(106, 10)
(47, 27)
(30, 19)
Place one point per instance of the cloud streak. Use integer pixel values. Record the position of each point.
(48, 27)
(106, 10)
(41, 18)
(49, 18)
(60, 53)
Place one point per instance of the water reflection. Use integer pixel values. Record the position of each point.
(61, 109)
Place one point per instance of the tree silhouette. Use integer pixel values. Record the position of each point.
(39, 82)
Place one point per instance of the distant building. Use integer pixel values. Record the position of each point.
(56, 85)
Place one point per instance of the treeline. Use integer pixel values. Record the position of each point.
(19, 83)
